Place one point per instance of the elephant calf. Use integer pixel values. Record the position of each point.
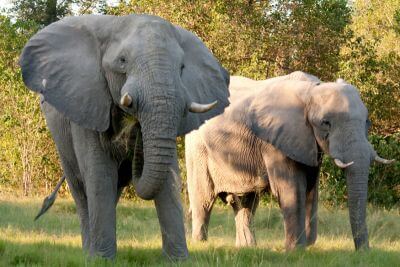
(271, 138)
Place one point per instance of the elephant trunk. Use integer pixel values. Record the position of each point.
(357, 184)
(151, 94)
(357, 188)
(157, 144)
(156, 165)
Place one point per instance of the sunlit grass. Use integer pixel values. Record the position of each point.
(54, 240)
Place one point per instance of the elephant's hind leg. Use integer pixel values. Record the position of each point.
(77, 188)
(245, 208)
(61, 132)
(200, 186)
(201, 218)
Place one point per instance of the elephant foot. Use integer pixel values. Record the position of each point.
(105, 253)
(176, 254)
(199, 238)
(200, 233)
(293, 246)
(245, 238)
(311, 240)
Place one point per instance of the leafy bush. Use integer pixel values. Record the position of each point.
(376, 79)
(28, 161)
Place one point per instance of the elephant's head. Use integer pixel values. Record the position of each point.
(339, 120)
(304, 118)
(151, 69)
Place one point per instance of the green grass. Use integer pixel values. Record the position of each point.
(54, 240)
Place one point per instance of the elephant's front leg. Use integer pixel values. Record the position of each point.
(170, 215)
(312, 205)
(100, 174)
(288, 183)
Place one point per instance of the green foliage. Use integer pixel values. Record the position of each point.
(42, 12)
(384, 180)
(307, 36)
(45, 12)
(378, 20)
(28, 161)
(370, 60)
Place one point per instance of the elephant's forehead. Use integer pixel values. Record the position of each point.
(154, 30)
(339, 99)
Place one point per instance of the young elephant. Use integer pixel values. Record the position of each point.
(270, 139)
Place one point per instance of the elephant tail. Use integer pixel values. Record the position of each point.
(49, 200)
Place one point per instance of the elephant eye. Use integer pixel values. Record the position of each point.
(182, 67)
(325, 123)
(122, 60)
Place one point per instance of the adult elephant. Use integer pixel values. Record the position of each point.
(90, 71)
(271, 138)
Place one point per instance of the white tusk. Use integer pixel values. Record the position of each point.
(201, 108)
(342, 165)
(44, 83)
(340, 80)
(382, 160)
(126, 100)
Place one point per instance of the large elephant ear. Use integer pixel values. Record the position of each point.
(278, 116)
(62, 63)
(204, 78)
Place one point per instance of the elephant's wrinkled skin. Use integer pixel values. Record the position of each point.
(93, 70)
(271, 138)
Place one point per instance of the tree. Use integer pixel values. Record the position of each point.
(371, 61)
(260, 39)
(28, 160)
(45, 12)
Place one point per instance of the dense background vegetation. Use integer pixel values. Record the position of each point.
(357, 40)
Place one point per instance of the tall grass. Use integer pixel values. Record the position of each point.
(54, 240)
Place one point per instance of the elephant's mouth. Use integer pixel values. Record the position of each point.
(125, 135)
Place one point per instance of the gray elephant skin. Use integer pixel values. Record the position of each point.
(93, 71)
(271, 139)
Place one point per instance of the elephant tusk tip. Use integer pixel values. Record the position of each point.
(343, 165)
(201, 108)
(126, 100)
(384, 161)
